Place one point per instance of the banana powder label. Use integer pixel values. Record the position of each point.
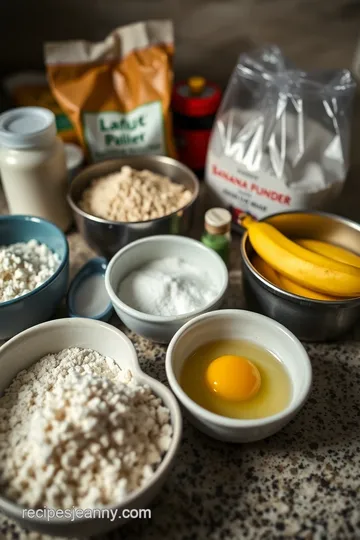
(117, 93)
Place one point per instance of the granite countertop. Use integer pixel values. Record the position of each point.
(302, 483)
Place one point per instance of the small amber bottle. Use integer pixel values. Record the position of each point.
(217, 234)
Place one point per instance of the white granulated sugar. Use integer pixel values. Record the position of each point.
(23, 267)
(76, 430)
(167, 287)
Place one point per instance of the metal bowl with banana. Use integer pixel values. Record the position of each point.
(303, 269)
(103, 197)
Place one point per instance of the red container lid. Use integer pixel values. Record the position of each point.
(196, 97)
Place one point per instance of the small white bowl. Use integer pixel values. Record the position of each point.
(27, 348)
(154, 327)
(238, 324)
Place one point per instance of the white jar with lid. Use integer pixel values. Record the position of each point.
(33, 166)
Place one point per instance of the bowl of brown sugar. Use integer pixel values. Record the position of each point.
(121, 200)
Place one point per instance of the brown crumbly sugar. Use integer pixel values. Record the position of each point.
(131, 195)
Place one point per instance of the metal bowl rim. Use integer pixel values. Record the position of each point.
(160, 159)
(288, 295)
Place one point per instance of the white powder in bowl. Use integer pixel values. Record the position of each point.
(25, 266)
(167, 287)
(76, 430)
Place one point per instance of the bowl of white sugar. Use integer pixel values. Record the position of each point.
(34, 272)
(87, 439)
(157, 284)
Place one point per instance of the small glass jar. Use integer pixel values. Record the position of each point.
(33, 166)
(217, 234)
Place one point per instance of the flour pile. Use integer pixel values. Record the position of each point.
(25, 266)
(76, 430)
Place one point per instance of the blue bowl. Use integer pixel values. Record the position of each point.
(40, 304)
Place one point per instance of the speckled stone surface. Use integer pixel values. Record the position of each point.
(303, 483)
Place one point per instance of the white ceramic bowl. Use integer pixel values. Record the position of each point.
(25, 349)
(158, 328)
(238, 324)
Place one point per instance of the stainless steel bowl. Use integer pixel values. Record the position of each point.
(309, 320)
(107, 237)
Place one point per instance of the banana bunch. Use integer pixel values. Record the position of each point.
(305, 267)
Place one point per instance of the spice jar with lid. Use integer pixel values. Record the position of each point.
(33, 165)
(194, 103)
(217, 234)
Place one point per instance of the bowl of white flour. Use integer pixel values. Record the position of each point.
(82, 429)
(157, 284)
(34, 272)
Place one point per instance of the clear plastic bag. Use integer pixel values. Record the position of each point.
(280, 140)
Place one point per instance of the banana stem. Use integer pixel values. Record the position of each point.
(246, 221)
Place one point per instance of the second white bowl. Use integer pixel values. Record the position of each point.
(154, 327)
(243, 325)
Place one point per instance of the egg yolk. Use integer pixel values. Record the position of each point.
(233, 377)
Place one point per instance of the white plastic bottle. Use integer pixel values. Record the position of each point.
(33, 166)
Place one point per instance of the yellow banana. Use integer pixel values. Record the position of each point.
(284, 283)
(336, 253)
(295, 288)
(309, 269)
(266, 271)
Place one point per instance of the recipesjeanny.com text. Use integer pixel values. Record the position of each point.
(73, 514)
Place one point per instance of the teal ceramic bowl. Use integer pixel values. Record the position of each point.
(40, 304)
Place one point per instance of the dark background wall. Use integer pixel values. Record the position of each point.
(209, 33)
